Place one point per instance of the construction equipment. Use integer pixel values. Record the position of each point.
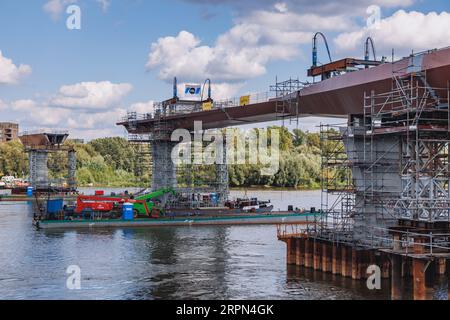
(107, 204)
(147, 201)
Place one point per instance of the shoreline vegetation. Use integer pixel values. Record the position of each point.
(113, 162)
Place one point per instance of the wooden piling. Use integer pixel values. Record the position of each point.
(300, 255)
(396, 276)
(356, 267)
(291, 251)
(317, 256)
(308, 253)
(336, 266)
(326, 257)
(419, 286)
(419, 272)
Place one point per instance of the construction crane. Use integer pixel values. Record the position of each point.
(369, 42)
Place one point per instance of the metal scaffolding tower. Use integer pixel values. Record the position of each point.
(286, 99)
(338, 191)
(193, 182)
(390, 163)
(420, 121)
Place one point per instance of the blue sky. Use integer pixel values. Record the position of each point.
(85, 79)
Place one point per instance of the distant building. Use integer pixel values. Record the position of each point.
(8, 131)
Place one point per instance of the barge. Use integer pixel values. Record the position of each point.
(152, 210)
(190, 221)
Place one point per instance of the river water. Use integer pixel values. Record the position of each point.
(235, 262)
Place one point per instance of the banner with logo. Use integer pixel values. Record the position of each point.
(193, 90)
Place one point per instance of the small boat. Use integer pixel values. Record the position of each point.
(250, 205)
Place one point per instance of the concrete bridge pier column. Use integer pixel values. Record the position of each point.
(164, 173)
(38, 168)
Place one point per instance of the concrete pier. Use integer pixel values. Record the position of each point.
(164, 174)
(38, 168)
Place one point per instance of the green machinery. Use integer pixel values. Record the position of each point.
(149, 198)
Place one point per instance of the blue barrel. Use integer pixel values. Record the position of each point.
(127, 211)
(55, 206)
(29, 191)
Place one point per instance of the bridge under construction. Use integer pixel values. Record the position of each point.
(388, 171)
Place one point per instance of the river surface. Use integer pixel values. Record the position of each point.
(236, 262)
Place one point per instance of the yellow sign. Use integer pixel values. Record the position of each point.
(245, 100)
(207, 106)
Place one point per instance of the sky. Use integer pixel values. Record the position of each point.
(122, 55)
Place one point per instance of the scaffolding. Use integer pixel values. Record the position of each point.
(389, 164)
(419, 120)
(287, 100)
(338, 191)
(42, 148)
(197, 185)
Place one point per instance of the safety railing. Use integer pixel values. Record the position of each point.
(253, 98)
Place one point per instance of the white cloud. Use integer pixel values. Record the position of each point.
(55, 7)
(222, 91)
(104, 4)
(35, 114)
(281, 7)
(96, 133)
(10, 73)
(244, 51)
(91, 95)
(143, 107)
(87, 106)
(3, 105)
(23, 105)
(97, 120)
(403, 31)
(321, 7)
